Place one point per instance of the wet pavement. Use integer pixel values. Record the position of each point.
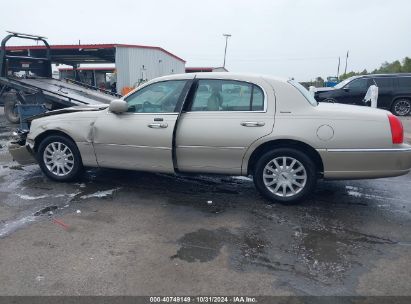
(120, 232)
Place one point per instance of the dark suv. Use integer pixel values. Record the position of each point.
(394, 92)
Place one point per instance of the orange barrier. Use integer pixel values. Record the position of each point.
(126, 90)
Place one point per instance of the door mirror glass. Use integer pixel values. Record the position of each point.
(118, 106)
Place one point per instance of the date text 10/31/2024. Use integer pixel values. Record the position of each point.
(203, 299)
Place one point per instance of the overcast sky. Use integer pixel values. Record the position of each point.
(299, 38)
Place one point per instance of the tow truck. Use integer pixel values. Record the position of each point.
(26, 80)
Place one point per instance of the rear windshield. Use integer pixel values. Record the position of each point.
(304, 92)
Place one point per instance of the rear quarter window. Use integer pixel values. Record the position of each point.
(404, 82)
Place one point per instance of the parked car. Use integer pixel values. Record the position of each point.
(276, 132)
(394, 92)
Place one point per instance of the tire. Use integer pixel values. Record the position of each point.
(272, 161)
(330, 100)
(65, 164)
(10, 111)
(401, 107)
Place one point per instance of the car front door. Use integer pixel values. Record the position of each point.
(354, 92)
(142, 137)
(222, 119)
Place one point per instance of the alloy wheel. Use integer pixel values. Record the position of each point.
(402, 107)
(284, 176)
(58, 158)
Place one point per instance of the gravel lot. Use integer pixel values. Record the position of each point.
(129, 233)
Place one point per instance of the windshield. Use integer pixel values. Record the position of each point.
(304, 91)
(344, 82)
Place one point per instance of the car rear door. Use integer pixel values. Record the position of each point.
(222, 118)
(385, 91)
(141, 138)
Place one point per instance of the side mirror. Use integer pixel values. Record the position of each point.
(346, 89)
(118, 106)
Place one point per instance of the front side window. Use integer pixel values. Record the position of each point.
(160, 97)
(227, 95)
(358, 84)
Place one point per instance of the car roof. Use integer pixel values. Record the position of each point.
(223, 75)
(387, 75)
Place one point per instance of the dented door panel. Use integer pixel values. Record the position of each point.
(135, 141)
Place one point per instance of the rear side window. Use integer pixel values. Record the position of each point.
(404, 82)
(258, 99)
(227, 95)
(384, 82)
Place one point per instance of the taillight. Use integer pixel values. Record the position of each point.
(397, 130)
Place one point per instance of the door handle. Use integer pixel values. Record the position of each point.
(158, 125)
(252, 123)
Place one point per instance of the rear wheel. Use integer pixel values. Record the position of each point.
(285, 175)
(401, 107)
(10, 111)
(59, 158)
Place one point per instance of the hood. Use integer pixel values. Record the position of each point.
(82, 108)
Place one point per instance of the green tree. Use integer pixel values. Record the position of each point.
(386, 67)
(406, 65)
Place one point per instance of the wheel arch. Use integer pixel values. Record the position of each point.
(286, 143)
(399, 97)
(39, 138)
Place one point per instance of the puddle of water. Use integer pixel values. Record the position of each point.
(202, 245)
(12, 226)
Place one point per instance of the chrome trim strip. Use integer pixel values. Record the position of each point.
(370, 150)
(222, 112)
(209, 147)
(132, 146)
(145, 113)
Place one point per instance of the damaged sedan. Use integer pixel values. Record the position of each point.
(222, 123)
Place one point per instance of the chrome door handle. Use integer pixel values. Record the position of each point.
(252, 123)
(158, 125)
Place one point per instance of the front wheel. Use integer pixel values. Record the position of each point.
(401, 107)
(330, 100)
(59, 158)
(285, 175)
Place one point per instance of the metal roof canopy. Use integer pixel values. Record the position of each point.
(81, 53)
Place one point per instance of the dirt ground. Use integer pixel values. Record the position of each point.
(128, 233)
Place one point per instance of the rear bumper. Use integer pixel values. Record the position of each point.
(366, 163)
(21, 154)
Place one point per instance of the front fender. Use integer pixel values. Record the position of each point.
(79, 127)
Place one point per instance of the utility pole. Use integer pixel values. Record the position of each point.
(338, 69)
(225, 50)
(346, 60)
